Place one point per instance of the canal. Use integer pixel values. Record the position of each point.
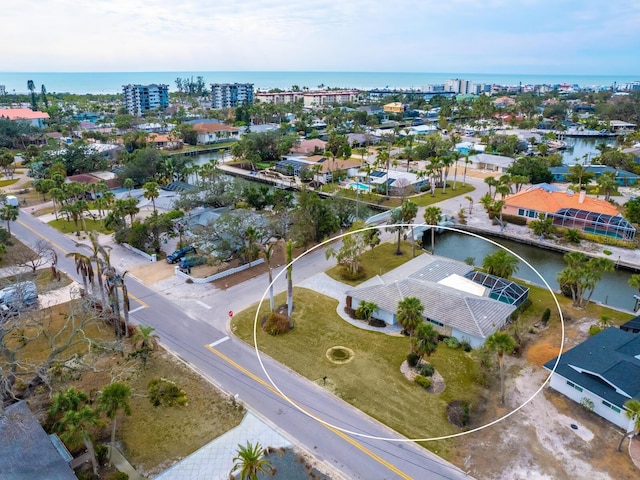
(612, 290)
(583, 149)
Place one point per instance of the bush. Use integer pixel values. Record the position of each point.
(276, 323)
(413, 359)
(452, 342)
(594, 330)
(347, 274)
(424, 382)
(166, 393)
(458, 413)
(607, 252)
(102, 453)
(587, 403)
(350, 311)
(426, 370)
(119, 476)
(546, 315)
(465, 345)
(376, 322)
(514, 219)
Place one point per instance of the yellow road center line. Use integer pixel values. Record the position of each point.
(341, 434)
(66, 253)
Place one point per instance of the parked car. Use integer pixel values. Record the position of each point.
(16, 297)
(189, 261)
(179, 254)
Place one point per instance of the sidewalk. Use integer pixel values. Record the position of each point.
(121, 463)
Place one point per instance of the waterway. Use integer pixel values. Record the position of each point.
(612, 290)
(583, 149)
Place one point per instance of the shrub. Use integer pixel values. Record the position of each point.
(413, 359)
(514, 219)
(376, 322)
(350, 311)
(426, 370)
(101, 453)
(452, 342)
(465, 345)
(607, 252)
(458, 413)
(424, 382)
(594, 330)
(276, 323)
(119, 476)
(347, 274)
(587, 403)
(166, 393)
(572, 235)
(546, 315)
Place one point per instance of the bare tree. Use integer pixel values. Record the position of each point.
(35, 257)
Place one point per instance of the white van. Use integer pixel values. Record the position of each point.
(16, 297)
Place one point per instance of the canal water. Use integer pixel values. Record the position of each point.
(612, 290)
(583, 149)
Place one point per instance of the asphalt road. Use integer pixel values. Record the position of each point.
(200, 338)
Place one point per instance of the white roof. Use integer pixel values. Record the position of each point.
(465, 285)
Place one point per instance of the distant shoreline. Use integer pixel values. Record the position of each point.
(111, 82)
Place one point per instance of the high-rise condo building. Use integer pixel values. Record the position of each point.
(140, 99)
(225, 95)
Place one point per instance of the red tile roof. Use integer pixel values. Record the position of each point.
(542, 201)
(22, 114)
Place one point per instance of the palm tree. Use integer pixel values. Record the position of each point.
(466, 163)
(145, 342)
(409, 314)
(69, 399)
(432, 216)
(101, 258)
(607, 184)
(367, 309)
(76, 426)
(501, 343)
(250, 460)
(128, 184)
(501, 264)
(125, 302)
(267, 253)
(9, 213)
(632, 412)
(84, 268)
(151, 192)
(634, 281)
(491, 182)
(426, 340)
(114, 397)
(469, 199)
(289, 252)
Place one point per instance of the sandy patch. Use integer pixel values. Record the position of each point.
(150, 273)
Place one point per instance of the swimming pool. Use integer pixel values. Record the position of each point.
(359, 186)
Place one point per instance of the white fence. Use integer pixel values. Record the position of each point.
(219, 275)
(152, 257)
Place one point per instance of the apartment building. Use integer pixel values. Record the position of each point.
(226, 95)
(458, 86)
(278, 98)
(329, 97)
(140, 99)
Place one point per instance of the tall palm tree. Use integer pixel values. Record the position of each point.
(409, 314)
(500, 263)
(501, 343)
(289, 252)
(491, 182)
(77, 426)
(98, 256)
(469, 199)
(128, 184)
(69, 399)
(632, 412)
(267, 253)
(151, 192)
(113, 399)
(145, 342)
(250, 460)
(466, 163)
(432, 216)
(634, 281)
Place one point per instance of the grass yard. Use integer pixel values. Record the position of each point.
(67, 226)
(8, 182)
(378, 261)
(372, 381)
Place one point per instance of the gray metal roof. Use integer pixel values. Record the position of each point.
(26, 450)
(440, 269)
(604, 364)
(478, 316)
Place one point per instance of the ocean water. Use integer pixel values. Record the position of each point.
(111, 82)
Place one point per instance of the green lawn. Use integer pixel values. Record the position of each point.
(6, 183)
(378, 261)
(372, 381)
(67, 226)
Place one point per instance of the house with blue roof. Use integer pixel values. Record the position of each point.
(605, 369)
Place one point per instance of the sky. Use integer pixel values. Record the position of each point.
(580, 37)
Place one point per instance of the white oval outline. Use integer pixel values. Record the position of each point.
(375, 437)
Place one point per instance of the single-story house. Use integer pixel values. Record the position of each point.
(622, 177)
(489, 162)
(324, 166)
(26, 451)
(308, 146)
(362, 139)
(215, 132)
(632, 325)
(457, 301)
(394, 107)
(604, 370)
(164, 142)
(395, 179)
(34, 118)
(570, 210)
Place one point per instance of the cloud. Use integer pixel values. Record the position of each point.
(553, 36)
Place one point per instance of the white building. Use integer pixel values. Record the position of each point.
(228, 95)
(139, 99)
(329, 97)
(458, 86)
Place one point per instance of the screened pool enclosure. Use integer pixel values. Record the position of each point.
(593, 222)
